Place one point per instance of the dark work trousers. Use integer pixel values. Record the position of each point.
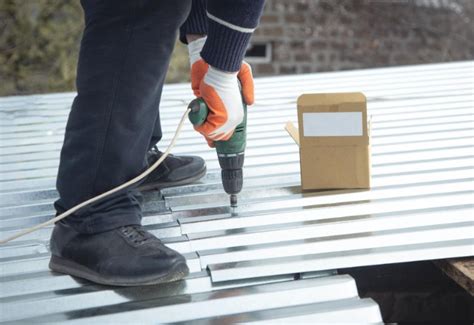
(114, 119)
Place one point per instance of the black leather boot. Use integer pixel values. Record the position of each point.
(173, 171)
(127, 256)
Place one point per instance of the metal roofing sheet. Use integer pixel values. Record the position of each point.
(420, 206)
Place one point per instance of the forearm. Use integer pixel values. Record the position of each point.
(230, 26)
(196, 25)
(217, 63)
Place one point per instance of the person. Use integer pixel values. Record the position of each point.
(114, 126)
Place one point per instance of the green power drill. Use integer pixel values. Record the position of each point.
(230, 153)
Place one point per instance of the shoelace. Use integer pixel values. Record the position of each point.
(136, 234)
(156, 151)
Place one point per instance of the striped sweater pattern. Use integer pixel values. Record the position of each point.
(228, 24)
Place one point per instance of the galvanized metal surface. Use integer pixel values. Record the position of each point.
(243, 264)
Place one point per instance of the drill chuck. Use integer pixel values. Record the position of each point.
(231, 173)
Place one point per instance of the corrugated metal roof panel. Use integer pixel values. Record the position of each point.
(420, 206)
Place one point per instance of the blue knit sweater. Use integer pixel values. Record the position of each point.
(228, 24)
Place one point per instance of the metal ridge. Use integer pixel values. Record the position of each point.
(281, 241)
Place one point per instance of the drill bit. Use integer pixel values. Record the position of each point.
(233, 200)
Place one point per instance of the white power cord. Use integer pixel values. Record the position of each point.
(109, 192)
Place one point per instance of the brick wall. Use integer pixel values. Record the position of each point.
(311, 35)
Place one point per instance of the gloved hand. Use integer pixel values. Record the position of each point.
(220, 90)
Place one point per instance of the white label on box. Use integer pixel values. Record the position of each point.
(332, 124)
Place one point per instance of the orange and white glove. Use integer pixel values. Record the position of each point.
(221, 92)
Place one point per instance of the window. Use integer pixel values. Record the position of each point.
(259, 53)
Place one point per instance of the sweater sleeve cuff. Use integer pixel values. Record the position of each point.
(225, 48)
(196, 23)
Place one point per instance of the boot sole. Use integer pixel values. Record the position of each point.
(61, 265)
(161, 185)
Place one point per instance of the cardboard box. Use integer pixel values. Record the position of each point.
(334, 141)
